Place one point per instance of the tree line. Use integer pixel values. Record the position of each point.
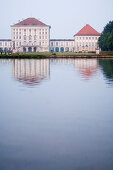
(106, 38)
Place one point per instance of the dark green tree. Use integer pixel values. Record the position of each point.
(106, 38)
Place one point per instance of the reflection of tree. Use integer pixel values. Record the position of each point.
(107, 67)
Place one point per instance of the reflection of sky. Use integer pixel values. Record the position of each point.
(65, 123)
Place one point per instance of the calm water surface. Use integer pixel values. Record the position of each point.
(56, 114)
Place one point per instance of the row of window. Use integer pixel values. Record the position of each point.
(87, 38)
(18, 44)
(25, 30)
(31, 37)
(61, 43)
(41, 33)
(6, 43)
(86, 44)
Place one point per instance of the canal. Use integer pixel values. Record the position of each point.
(56, 114)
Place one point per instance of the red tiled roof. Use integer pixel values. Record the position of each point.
(31, 21)
(87, 30)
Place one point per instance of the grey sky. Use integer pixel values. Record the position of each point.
(65, 17)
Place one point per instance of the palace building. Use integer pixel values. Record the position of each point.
(86, 40)
(32, 35)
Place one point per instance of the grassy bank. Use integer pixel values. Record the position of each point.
(58, 55)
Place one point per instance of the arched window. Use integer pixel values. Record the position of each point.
(24, 50)
(62, 49)
(57, 49)
(30, 49)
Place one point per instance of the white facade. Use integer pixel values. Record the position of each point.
(62, 45)
(30, 38)
(5, 44)
(86, 43)
(31, 35)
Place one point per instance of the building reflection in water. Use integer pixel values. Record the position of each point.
(86, 67)
(31, 72)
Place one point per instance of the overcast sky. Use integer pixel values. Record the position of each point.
(66, 17)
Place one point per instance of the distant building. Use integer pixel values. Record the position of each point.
(30, 35)
(86, 40)
(5, 44)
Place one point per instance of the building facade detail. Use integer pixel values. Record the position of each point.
(62, 45)
(86, 40)
(5, 44)
(30, 35)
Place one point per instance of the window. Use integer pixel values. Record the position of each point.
(40, 37)
(24, 30)
(43, 37)
(52, 44)
(42, 32)
(46, 37)
(35, 37)
(16, 37)
(66, 43)
(30, 37)
(45, 32)
(89, 38)
(24, 37)
(39, 43)
(20, 37)
(92, 38)
(20, 43)
(17, 44)
(0, 43)
(56, 43)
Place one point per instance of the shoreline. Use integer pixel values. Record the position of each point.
(30, 56)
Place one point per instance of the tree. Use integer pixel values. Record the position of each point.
(106, 38)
